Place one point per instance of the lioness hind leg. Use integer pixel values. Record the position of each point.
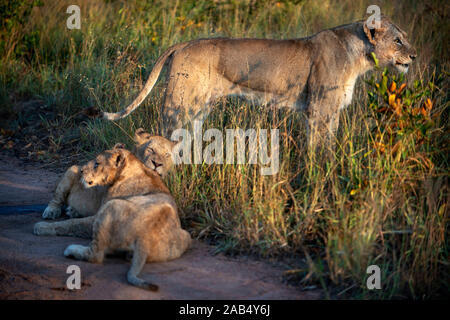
(184, 100)
(74, 228)
(53, 209)
(137, 263)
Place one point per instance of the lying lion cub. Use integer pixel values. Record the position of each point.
(138, 214)
(154, 151)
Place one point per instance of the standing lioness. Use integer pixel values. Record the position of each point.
(316, 74)
(138, 214)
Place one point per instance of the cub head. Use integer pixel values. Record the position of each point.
(154, 151)
(105, 168)
(390, 45)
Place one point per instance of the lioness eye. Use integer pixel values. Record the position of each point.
(398, 41)
(95, 165)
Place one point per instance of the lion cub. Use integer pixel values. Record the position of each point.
(154, 151)
(138, 214)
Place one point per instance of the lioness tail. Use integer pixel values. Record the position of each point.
(94, 112)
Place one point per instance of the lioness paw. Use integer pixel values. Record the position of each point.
(51, 212)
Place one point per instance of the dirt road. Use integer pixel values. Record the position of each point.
(33, 267)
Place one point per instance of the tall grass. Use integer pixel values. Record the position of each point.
(373, 200)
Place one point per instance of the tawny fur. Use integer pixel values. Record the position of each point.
(154, 151)
(137, 214)
(315, 74)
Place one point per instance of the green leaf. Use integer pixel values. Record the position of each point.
(374, 57)
(383, 86)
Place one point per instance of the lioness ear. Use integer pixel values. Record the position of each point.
(373, 33)
(370, 33)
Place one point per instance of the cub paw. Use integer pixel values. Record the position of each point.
(76, 251)
(44, 229)
(51, 212)
(72, 213)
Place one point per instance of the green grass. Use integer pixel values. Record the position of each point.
(371, 201)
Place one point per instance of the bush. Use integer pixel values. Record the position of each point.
(14, 14)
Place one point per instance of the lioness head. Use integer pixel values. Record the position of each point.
(390, 45)
(104, 169)
(154, 151)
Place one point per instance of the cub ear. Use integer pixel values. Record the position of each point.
(119, 160)
(119, 146)
(177, 145)
(140, 135)
(180, 150)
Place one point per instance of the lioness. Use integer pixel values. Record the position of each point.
(315, 74)
(154, 151)
(137, 214)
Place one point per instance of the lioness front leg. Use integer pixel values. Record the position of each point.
(321, 132)
(53, 209)
(81, 228)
